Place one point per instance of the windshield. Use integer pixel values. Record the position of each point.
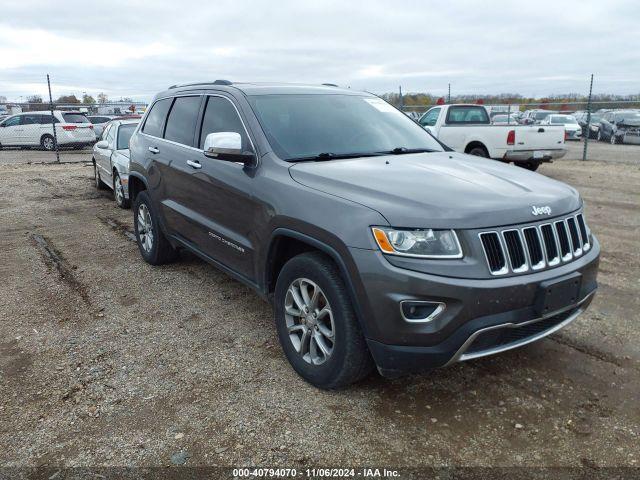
(305, 126)
(541, 115)
(124, 135)
(563, 119)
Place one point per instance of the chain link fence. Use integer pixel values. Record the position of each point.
(42, 132)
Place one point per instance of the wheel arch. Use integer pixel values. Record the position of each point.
(285, 243)
(137, 183)
(476, 144)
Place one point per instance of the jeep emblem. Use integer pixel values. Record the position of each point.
(546, 210)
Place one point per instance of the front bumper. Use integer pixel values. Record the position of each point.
(530, 155)
(482, 316)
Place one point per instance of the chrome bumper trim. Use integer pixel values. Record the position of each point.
(460, 356)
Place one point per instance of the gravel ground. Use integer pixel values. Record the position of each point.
(107, 361)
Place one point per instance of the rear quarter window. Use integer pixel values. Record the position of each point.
(154, 124)
(75, 118)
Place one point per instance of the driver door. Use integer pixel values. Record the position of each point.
(10, 131)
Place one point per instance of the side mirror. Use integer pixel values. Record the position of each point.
(102, 144)
(227, 146)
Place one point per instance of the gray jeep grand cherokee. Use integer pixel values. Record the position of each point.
(376, 244)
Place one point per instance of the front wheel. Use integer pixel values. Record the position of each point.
(317, 326)
(118, 193)
(96, 177)
(613, 139)
(599, 136)
(154, 246)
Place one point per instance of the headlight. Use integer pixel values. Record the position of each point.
(421, 243)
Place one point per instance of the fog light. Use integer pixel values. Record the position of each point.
(417, 311)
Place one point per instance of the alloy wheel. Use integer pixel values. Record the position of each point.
(119, 190)
(309, 321)
(145, 228)
(47, 143)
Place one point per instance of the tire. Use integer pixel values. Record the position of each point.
(530, 165)
(118, 192)
(96, 177)
(612, 139)
(479, 152)
(48, 143)
(153, 245)
(348, 360)
(599, 136)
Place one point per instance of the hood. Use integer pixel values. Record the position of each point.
(440, 190)
(631, 123)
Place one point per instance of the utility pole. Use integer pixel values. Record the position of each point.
(588, 127)
(53, 120)
(401, 99)
(449, 95)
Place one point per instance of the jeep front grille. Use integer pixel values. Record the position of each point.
(534, 247)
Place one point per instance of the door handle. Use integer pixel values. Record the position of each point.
(541, 130)
(194, 164)
(154, 150)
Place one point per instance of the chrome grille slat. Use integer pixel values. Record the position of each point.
(535, 247)
(494, 253)
(515, 250)
(574, 237)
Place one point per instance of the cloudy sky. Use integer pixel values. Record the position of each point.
(138, 47)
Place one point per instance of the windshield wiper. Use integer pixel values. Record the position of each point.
(334, 156)
(404, 150)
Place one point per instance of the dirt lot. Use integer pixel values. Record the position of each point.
(106, 361)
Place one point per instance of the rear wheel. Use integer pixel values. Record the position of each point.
(118, 192)
(47, 142)
(154, 246)
(530, 165)
(479, 152)
(316, 323)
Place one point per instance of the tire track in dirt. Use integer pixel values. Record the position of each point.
(54, 260)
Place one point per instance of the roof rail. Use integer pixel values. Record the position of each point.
(217, 82)
(329, 84)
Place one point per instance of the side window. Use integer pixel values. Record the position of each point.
(105, 132)
(46, 120)
(154, 125)
(430, 118)
(30, 119)
(467, 114)
(181, 124)
(12, 122)
(220, 116)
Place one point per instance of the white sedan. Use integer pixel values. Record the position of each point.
(573, 130)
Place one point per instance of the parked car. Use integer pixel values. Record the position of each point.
(594, 124)
(375, 244)
(111, 159)
(32, 129)
(503, 119)
(99, 122)
(620, 126)
(534, 117)
(466, 128)
(572, 130)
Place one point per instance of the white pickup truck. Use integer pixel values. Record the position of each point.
(468, 129)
